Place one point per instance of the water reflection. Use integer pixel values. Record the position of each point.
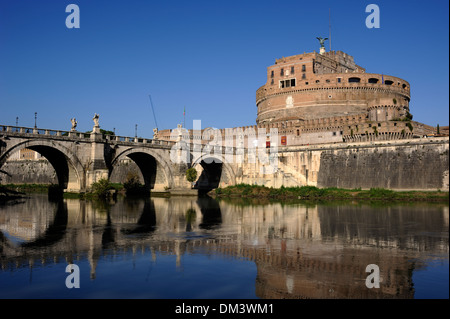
(300, 250)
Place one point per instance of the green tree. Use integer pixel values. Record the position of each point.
(191, 175)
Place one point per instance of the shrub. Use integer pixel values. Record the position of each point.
(133, 186)
(101, 189)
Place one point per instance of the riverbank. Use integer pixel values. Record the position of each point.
(7, 195)
(315, 193)
(257, 192)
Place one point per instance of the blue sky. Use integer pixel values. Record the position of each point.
(207, 56)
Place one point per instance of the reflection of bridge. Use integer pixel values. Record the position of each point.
(80, 159)
(300, 252)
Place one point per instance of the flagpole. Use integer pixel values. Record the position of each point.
(184, 117)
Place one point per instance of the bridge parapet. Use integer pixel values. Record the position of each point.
(33, 132)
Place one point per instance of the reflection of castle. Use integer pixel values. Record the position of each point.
(300, 251)
(326, 97)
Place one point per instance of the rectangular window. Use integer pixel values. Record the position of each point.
(339, 80)
(286, 83)
(303, 76)
(271, 74)
(303, 68)
(282, 72)
(292, 70)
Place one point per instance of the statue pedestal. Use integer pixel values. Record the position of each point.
(96, 129)
(322, 50)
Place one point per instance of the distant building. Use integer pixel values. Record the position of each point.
(25, 154)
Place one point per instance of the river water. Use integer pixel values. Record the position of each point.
(200, 248)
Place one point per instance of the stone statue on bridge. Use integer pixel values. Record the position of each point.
(96, 125)
(155, 133)
(74, 124)
(95, 119)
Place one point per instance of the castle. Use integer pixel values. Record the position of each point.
(325, 97)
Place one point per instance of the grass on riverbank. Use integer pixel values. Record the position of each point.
(315, 193)
(99, 191)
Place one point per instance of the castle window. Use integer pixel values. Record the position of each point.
(373, 80)
(298, 132)
(271, 82)
(303, 76)
(292, 70)
(339, 80)
(388, 82)
(271, 74)
(317, 81)
(354, 80)
(327, 80)
(287, 83)
(404, 86)
(303, 68)
(282, 72)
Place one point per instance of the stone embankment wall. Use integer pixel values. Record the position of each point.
(28, 172)
(407, 165)
(415, 164)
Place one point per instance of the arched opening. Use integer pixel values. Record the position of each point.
(149, 169)
(212, 173)
(373, 80)
(209, 177)
(65, 165)
(354, 80)
(388, 82)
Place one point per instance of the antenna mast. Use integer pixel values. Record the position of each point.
(329, 26)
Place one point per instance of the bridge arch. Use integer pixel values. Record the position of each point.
(214, 171)
(68, 168)
(155, 169)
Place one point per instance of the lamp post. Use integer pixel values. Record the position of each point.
(35, 119)
(135, 131)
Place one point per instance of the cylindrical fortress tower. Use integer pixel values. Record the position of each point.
(313, 86)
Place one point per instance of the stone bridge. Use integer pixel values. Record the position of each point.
(80, 159)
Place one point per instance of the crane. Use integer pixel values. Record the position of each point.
(153, 110)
